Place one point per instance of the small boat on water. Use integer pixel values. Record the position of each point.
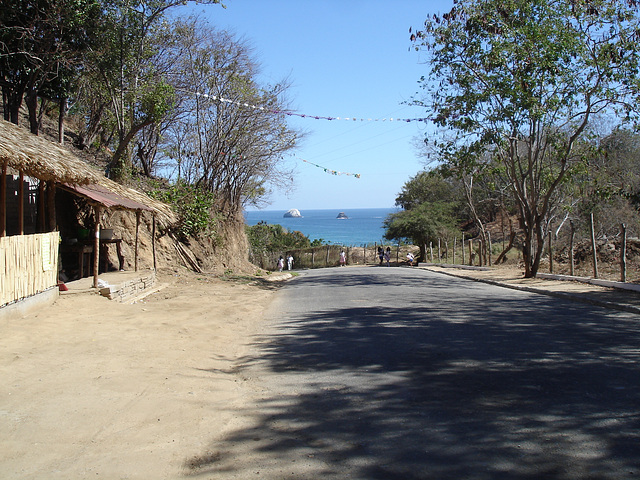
(342, 216)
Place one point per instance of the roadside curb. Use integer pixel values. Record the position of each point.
(276, 277)
(562, 295)
(593, 281)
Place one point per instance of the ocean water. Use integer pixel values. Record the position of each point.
(364, 225)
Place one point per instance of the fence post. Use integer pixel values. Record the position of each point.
(470, 252)
(431, 251)
(593, 247)
(439, 252)
(462, 245)
(327, 261)
(550, 254)
(398, 254)
(446, 250)
(573, 233)
(489, 248)
(623, 252)
(364, 255)
(455, 239)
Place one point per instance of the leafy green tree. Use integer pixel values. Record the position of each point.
(616, 170)
(231, 134)
(520, 80)
(430, 186)
(609, 186)
(268, 238)
(128, 79)
(42, 47)
(422, 224)
(195, 208)
(432, 206)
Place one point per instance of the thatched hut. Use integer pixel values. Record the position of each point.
(37, 175)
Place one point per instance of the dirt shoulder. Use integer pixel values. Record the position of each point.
(94, 388)
(513, 277)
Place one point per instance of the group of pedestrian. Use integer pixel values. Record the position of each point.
(289, 262)
(384, 256)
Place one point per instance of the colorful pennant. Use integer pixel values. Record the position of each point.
(329, 171)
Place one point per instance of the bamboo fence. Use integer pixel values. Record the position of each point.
(28, 265)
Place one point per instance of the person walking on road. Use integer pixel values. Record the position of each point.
(343, 258)
(289, 262)
(280, 263)
(387, 256)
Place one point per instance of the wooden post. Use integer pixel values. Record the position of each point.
(96, 245)
(455, 239)
(51, 205)
(3, 200)
(470, 252)
(135, 261)
(550, 254)
(462, 245)
(313, 257)
(327, 260)
(431, 251)
(439, 252)
(573, 233)
(593, 247)
(446, 250)
(153, 241)
(21, 203)
(623, 252)
(41, 209)
(489, 247)
(502, 212)
(364, 255)
(398, 255)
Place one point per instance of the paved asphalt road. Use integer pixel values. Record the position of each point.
(398, 373)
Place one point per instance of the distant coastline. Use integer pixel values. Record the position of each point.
(364, 226)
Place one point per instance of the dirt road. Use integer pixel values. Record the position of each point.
(95, 389)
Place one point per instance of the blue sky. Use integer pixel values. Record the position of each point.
(344, 58)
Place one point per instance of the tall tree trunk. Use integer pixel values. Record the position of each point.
(527, 244)
(61, 114)
(13, 100)
(44, 104)
(537, 256)
(119, 163)
(31, 100)
(87, 136)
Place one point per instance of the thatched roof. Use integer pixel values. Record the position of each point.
(40, 158)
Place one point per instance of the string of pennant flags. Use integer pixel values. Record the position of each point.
(329, 171)
(302, 115)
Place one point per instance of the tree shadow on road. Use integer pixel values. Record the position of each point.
(450, 389)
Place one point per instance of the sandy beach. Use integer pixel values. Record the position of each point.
(92, 388)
